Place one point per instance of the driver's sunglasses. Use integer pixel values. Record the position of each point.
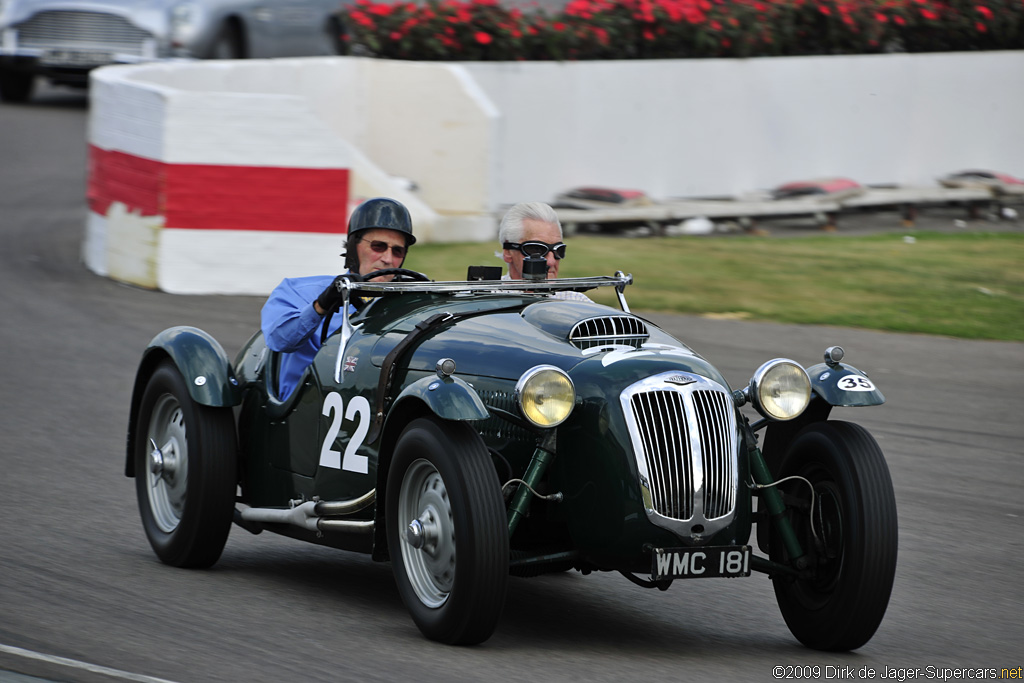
(380, 247)
(537, 248)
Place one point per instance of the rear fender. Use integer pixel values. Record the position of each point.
(202, 362)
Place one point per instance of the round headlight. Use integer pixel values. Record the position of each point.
(545, 395)
(780, 389)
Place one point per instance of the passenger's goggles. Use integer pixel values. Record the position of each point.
(380, 247)
(537, 248)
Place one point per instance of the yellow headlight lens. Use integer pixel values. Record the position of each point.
(780, 389)
(545, 395)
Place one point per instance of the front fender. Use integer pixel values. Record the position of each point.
(844, 385)
(839, 385)
(449, 398)
(201, 361)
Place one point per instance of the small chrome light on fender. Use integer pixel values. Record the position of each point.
(545, 395)
(833, 355)
(779, 390)
(445, 368)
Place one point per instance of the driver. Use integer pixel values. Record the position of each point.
(379, 237)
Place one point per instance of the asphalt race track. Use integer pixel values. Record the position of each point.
(79, 582)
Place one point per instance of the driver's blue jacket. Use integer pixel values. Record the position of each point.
(291, 324)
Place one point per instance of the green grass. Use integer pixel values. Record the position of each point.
(959, 285)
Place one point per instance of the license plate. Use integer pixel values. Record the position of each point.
(701, 563)
(75, 58)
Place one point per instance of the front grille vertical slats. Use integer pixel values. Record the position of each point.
(669, 476)
(681, 455)
(711, 410)
(650, 436)
(710, 475)
(661, 418)
(685, 439)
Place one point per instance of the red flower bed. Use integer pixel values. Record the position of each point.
(464, 30)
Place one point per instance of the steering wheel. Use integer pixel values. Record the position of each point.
(399, 273)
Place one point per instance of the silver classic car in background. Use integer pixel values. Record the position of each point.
(63, 40)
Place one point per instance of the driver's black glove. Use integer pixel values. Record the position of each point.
(332, 297)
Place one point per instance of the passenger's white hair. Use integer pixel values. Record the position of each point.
(512, 229)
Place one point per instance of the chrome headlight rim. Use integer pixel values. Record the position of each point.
(767, 378)
(522, 393)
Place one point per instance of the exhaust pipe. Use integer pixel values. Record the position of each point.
(312, 515)
(340, 508)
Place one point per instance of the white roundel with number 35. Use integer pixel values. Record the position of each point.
(855, 383)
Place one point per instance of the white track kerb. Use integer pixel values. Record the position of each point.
(224, 177)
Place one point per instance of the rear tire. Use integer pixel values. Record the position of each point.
(185, 484)
(454, 583)
(839, 608)
(16, 86)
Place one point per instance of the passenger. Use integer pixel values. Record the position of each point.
(379, 237)
(533, 229)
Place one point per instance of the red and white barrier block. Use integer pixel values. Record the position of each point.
(197, 192)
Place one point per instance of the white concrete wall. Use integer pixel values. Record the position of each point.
(718, 126)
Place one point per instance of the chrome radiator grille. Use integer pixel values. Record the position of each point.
(71, 30)
(717, 456)
(661, 417)
(684, 436)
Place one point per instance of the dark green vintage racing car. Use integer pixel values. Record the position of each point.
(466, 431)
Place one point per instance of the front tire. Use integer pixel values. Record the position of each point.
(453, 576)
(185, 471)
(854, 558)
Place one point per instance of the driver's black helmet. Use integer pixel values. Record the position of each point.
(379, 212)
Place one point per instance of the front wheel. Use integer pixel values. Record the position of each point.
(851, 543)
(185, 471)
(447, 531)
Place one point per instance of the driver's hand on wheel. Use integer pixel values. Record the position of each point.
(332, 296)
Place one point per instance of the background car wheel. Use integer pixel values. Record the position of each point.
(229, 43)
(185, 471)
(337, 36)
(16, 86)
(452, 576)
(854, 558)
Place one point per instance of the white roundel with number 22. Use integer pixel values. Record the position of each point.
(359, 410)
(855, 383)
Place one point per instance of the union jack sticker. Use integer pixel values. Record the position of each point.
(350, 363)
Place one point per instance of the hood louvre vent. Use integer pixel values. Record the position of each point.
(611, 330)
